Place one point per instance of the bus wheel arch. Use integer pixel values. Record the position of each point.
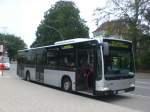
(66, 83)
(27, 75)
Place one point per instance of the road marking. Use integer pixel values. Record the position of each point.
(142, 87)
(142, 82)
(137, 95)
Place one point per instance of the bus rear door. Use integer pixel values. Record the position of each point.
(39, 68)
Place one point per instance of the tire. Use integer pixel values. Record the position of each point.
(27, 76)
(66, 84)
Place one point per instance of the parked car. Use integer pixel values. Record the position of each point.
(6, 62)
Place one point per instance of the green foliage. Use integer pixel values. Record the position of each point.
(108, 33)
(63, 18)
(144, 61)
(133, 12)
(144, 52)
(147, 15)
(12, 43)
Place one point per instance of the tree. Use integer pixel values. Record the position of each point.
(12, 44)
(144, 53)
(147, 17)
(133, 12)
(61, 19)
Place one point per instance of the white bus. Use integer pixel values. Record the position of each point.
(92, 66)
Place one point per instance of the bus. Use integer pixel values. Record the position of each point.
(93, 66)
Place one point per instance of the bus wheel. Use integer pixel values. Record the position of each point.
(66, 84)
(28, 76)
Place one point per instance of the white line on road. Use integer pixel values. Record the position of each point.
(142, 87)
(142, 82)
(138, 95)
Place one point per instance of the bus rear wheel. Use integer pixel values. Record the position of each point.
(66, 84)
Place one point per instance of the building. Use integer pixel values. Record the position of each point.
(117, 28)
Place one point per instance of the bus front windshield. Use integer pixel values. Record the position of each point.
(119, 63)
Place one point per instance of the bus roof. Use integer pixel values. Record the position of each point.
(69, 41)
(76, 40)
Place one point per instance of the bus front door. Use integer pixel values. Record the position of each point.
(85, 72)
(20, 67)
(39, 69)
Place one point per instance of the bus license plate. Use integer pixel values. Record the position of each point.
(121, 91)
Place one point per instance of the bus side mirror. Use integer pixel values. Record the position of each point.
(106, 48)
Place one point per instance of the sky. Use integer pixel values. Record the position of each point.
(22, 17)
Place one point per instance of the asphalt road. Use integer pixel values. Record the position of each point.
(139, 100)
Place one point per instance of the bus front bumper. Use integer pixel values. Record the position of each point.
(113, 92)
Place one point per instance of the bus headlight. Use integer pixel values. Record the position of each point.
(132, 85)
(105, 89)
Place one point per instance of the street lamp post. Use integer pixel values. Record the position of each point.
(61, 36)
(4, 28)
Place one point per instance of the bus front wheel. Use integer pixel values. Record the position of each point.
(66, 84)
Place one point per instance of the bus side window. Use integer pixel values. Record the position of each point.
(67, 61)
(52, 59)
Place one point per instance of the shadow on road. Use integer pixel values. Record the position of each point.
(108, 99)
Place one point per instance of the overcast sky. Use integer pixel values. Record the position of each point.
(22, 17)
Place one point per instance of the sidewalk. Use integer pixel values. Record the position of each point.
(20, 96)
